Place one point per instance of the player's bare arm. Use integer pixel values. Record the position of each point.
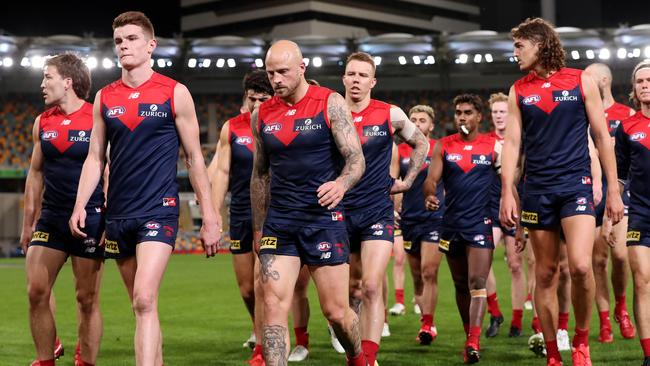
(188, 132)
(92, 170)
(509, 213)
(409, 133)
(220, 173)
(434, 174)
(347, 141)
(33, 189)
(596, 116)
(260, 181)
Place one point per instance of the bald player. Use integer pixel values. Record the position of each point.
(615, 113)
(307, 156)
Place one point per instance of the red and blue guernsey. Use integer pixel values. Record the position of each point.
(633, 163)
(468, 172)
(616, 113)
(302, 155)
(144, 144)
(413, 209)
(375, 133)
(555, 132)
(64, 142)
(241, 162)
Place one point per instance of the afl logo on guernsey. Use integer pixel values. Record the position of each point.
(564, 96)
(244, 140)
(151, 110)
(115, 112)
(49, 135)
(272, 128)
(637, 136)
(454, 157)
(532, 99)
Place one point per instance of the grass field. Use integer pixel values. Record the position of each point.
(204, 322)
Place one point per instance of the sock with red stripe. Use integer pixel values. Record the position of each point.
(359, 360)
(474, 336)
(621, 306)
(536, 325)
(370, 349)
(552, 351)
(604, 319)
(427, 320)
(563, 321)
(645, 345)
(581, 337)
(399, 296)
(257, 350)
(46, 362)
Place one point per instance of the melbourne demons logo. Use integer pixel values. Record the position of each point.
(532, 99)
(244, 140)
(272, 128)
(115, 112)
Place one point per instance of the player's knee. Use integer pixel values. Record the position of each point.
(399, 260)
(430, 275)
(477, 282)
(641, 282)
(372, 289)
(581, 271)
(38, 293)
(247, 291)
(600, 263)
(546, 275)
(86, 301)
(515, 268)
(144, 302)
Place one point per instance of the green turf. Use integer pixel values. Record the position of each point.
(204, 322)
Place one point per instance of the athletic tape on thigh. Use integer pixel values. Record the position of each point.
(478, 293)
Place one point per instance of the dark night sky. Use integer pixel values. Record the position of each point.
(26, 18)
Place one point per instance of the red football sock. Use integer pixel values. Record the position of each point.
(370, 349)
(581, 337)
(529, 297)
(552, 350)
(621, 306)
(563, 321)
(427, 319)
(517, 315)
(77, 351)
(604, 319)
(257, 350)
(645, 344)
(537, 327)
(493, 305)
(359, 360)
(302, 336)
(474, 336)
(46, 362)
(399, 296)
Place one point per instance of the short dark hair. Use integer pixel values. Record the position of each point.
(136, 18)
(472, 99)
(257, 81)
(551, 54)
(71, 66)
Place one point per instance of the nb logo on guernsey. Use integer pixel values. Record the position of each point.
(272, 128)
(290, 112)
(244, 140)
(115, 112)
(150, 110)
(546, 85)
(529, 217)
(269, 242)
(454, 157)
(564, 96)
(49, 135)
(110, 246)
(134, 95)
(532, 99)
(65, 122)
(358, 119)
(638, 136)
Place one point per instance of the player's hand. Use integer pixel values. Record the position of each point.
(598, 192)
(397, 216)
(607, 233)
(210, 236)
(520, 239)
(257, 241)
(77, 223)
(508, 212)
(432, 203)
(399, 186)
(330, 194)
(25, 238)
(614, 206)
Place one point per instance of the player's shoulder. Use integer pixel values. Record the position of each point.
(111, 87)
(161, 79)
(450, 139)
(526, 79)
(569, 71)
(623, 108)
(241, 119)
(631, 121)
(48, 113)
(319, 92)
(381, 105)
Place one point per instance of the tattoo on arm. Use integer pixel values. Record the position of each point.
(266, 272)
(420, 146)
(275, 345)
(260, 180)
(347, 140)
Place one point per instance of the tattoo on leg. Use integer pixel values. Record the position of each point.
(266, 261)
(355, 304)
(350, 337)
(274, 345)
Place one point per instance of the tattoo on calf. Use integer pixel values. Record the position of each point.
(274, 345)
